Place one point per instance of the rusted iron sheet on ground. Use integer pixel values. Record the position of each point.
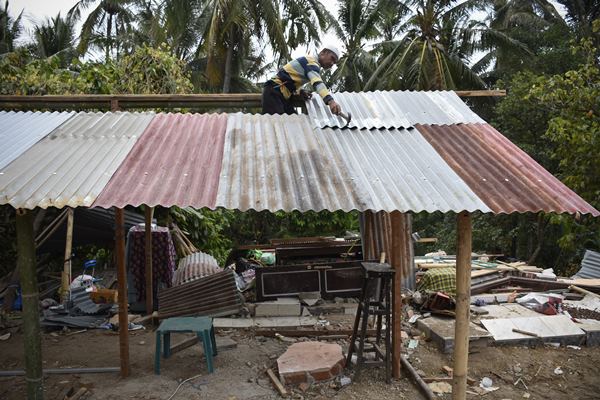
(215, 295)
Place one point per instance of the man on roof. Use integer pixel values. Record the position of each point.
(277, 92)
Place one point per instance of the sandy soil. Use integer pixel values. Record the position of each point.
(240, 372)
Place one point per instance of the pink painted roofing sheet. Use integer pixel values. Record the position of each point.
(177, 161)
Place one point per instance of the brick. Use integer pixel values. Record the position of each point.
(321, 375)
(294, 378)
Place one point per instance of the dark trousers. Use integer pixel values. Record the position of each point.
(273, 101)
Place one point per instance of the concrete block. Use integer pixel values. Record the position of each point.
(282, 307)
(310, 362)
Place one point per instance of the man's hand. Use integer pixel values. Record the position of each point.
(305, 95)
(334, 107)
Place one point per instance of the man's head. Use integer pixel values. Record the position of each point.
(329, 56)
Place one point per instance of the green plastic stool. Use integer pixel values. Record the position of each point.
(201, 326)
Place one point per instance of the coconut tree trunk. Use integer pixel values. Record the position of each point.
(228, 68)
(108, 38)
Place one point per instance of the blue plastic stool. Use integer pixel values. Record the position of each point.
(201, 326)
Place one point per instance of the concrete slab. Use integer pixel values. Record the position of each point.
(441, 331)
(508, 310)
(263, 322)
(308, 362)
(591, 327)
(549, 328)
(282, 307)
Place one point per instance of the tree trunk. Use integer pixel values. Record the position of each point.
(108, 39)
(228, 67)
(541, 229)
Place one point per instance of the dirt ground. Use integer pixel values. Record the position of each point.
(240, 371)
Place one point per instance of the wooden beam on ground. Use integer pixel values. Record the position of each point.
(128, 101)
(463, 297)
(277, 382)
(30, 295)
(66, 274)
(122, 280)
(148, 249)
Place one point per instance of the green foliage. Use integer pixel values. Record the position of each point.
(152, 71)
(524, 118)
(206, 229)
(217, 231)
(573, 99)
(146, 71)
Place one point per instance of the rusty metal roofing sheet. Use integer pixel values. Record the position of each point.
(393, 109)
(21, 130)
(280, 162)
(501, 174)
(72, 165)
(176, 162)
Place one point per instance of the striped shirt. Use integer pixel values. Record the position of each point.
(297, 73)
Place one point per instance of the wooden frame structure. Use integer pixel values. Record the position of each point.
(395, 232)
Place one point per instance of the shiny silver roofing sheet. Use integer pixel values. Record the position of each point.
(393, 109)
(21, 130)
(72, 165)
(282, 163)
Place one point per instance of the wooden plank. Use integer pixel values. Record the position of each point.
(583, 291)
(124, 101)
(277, 382)
(481, 93)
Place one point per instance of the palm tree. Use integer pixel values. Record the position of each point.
(10, 29)
(581, 14)
(175, 23)
(112, 16)
(359, 22)
(439, 37)
(525, 22)
(55, 36)
(228, 28)
(304, 20)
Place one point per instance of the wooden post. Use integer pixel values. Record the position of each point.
(463, 297)
(66, 275)
(30, 295)
(148, 249)
(122, 278)
(400, 259)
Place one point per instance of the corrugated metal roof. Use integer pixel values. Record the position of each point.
(21, 130)
(590, 266)
(280, 162)
(388, 109)
(176, 162)
(72, 165)
(501, 174)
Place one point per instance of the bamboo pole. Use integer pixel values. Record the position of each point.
(463, 296)
(66, 274)
(30, 296)
(122, 278)
(149, 211)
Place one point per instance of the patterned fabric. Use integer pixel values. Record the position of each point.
(163, 258)
(299, 72)
(439, 280)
